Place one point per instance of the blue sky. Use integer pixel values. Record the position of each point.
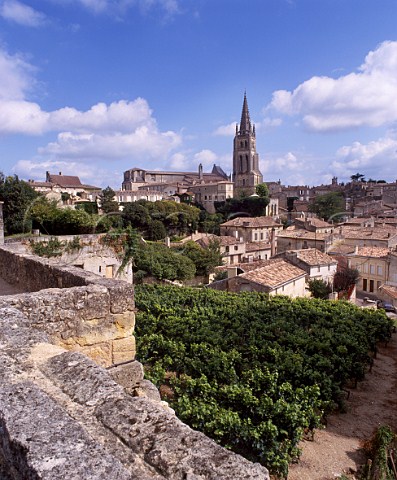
(94, 87)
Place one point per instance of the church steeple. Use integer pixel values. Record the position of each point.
(246, 173)
(245, 123)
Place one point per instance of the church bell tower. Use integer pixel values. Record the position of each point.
(246, 173)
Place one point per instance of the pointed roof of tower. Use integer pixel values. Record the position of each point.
(245, 124)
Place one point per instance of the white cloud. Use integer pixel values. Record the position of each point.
(22, 14)
(226, 130)
(367, 97)
(142, 144)
(168, 7)
(206, 157)
(16, 76)
(36, 169)
(268, 123)
(376, 159)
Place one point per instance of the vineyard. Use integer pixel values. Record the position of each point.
(253, 372)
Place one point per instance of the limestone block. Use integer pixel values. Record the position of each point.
(121, 357)
(81, 379)
(147, 389)
(101, 353)
(129, 375)
(124, 321)
(40, 440)
(176, 451)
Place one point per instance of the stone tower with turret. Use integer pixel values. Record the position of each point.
(246, 173)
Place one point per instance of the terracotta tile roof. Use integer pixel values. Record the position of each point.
(378, 252)
(340, 249)
(313, 257)
(255, 246)
(389, 290)
(376, 233)
(224, 240)
(65, 180)
(276, 273)
(298, 233)
(251, 222)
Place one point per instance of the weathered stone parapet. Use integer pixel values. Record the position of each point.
(90, 314)
(64, 417)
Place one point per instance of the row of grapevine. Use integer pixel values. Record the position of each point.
(251, 371)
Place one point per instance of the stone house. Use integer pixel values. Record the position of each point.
(274, 276)
(373, 266)
(251, 229)
(56, 185)
(208, 193)
(232, 249)
(316, 264)
(298, 239)
(257, 251)
(378, 236)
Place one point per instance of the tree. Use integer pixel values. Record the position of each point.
(17, 196)
(345, 277)
(319, 289)
(205, 259)
(253, 206)
(136, 214)
(357, 177)
(328, 206)
(156, 230)
(108, 204)
(262, 190)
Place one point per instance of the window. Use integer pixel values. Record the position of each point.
(372, 269)
(365, 281)
(379, 270)
(371, 286)
(256, 236)
(261, 235)
(236, 247)
(365, 268)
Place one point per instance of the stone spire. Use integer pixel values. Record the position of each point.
(245, 124)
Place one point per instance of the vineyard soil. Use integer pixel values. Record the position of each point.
(337, 449)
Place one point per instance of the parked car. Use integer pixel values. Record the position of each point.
(387, 307)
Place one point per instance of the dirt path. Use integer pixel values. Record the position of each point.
(336, 450)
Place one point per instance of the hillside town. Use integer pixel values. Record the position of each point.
(87, 259)
(302, 234)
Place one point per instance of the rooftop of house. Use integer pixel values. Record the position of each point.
(375, 252)
(312, 256)
(389, 290)
(276, 273)
(256, 246)
(251, 222)
(300, 233)
(376, 233)
(315, 222)
(224, 241)
(67, 181)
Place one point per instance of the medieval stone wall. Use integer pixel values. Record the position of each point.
(89, 314)
(62, 414)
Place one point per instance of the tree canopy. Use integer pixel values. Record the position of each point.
(329, 206)
(17, 196)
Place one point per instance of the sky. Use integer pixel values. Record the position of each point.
(95, 87)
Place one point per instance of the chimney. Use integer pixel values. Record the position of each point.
(231, 272)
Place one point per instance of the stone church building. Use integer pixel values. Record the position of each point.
(207, 188)
(246, 173)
